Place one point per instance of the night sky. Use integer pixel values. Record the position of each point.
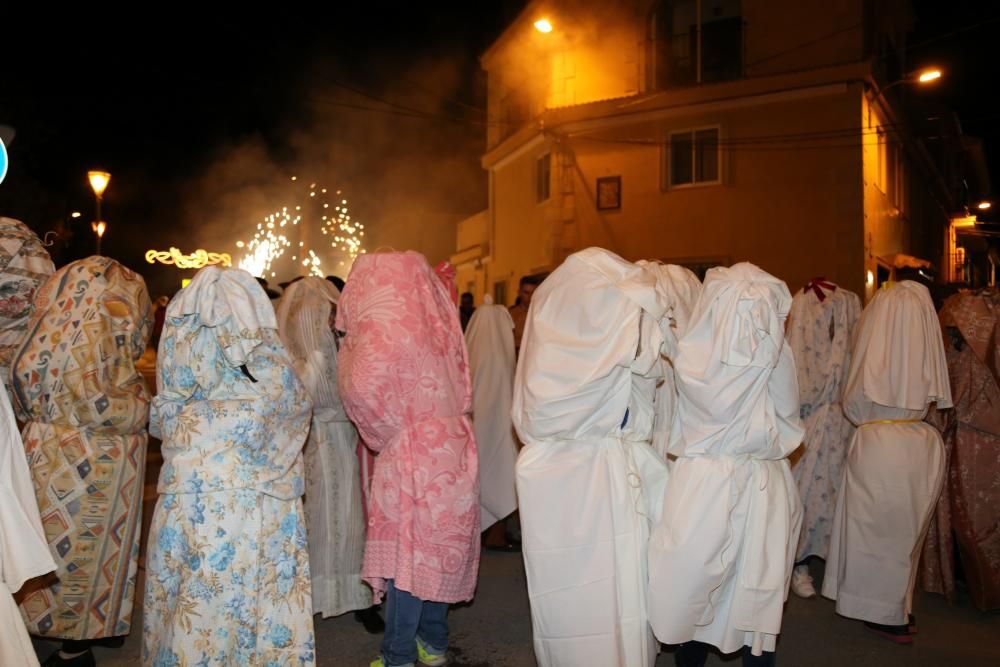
(157, 101)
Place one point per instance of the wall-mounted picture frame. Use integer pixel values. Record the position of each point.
(609, 193)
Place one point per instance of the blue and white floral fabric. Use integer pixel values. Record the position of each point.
(227, 573)
(820, 330)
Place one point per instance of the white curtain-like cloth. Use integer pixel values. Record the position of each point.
(721, 556)
(681, 289)
(588, 481)
(490, 338)
(334, 515)
(895, 464)
(24, 551)
(820, 331)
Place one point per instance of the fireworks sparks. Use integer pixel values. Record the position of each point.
(295, 226)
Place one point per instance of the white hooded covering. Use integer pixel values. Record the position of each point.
(334, 516)
(895, 463)
(24, 551)
(490, 338)
(588, 481)
(721, 556)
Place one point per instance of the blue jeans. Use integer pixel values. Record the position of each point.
(406, 618)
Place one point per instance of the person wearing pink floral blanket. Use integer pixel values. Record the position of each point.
(404, 380)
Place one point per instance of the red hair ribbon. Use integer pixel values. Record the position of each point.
(817, 285)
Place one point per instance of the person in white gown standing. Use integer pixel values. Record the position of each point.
(721, 555)
(24, 551)
(588, 481)
(895, 464)
(335, 524)
(490, 339)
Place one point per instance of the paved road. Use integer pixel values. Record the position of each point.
(495, 631)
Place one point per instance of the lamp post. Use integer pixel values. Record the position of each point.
(921, 78)
(99, 182)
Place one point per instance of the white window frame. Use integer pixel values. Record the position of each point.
(667, 162)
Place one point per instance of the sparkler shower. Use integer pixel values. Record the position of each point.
(291, 228)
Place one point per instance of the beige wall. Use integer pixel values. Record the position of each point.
(472, 248)
(524, 229)
(796, 212)
(598, 50)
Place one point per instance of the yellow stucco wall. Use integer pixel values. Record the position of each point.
(795, 210)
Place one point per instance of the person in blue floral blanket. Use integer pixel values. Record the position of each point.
(227, 574)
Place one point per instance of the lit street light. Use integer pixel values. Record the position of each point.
(929, 75)
(921, 78)
(984, 205)
(99, 182)
(543, 25)
(99, 228)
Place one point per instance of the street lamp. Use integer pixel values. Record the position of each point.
(543, 25)
(984, 205)
(921, 78)
(99, 228)
(929, 75)
(99, 182)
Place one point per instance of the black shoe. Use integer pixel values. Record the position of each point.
(109, 642)
(374, 625)
(85, 659)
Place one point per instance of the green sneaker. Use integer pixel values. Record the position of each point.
(380, 662)
(429, 659)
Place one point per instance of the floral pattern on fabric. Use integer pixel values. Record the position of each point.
(404, 380)
(819, 335)
(968, 511)
(227, 578)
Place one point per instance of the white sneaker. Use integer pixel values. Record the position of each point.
(802, 583)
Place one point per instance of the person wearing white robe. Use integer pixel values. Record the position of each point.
(895, 463)
(24, 551)
(490, 338)
(335, 524)
(588, 481)
(721, 555)
(820, 331)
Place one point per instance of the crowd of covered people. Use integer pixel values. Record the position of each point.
(628, 427)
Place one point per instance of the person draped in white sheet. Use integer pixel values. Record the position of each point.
(721, 555)
(490, 339)
(583, 405)
(895, 464)
(334, 519)
(24, 551)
